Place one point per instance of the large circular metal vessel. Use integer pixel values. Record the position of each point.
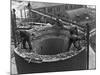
(51, 51)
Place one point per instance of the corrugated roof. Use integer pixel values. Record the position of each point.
(75, 12)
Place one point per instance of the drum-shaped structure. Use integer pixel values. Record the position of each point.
(51, 52)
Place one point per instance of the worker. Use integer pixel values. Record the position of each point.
(58, 27)
(25, 37)
(74, 37)
(58, 23)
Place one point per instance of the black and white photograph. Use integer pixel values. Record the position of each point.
(52, 37)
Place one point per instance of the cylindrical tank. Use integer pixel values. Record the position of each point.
(52, 46)
(78, 62)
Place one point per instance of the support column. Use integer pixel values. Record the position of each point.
(21, 14)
